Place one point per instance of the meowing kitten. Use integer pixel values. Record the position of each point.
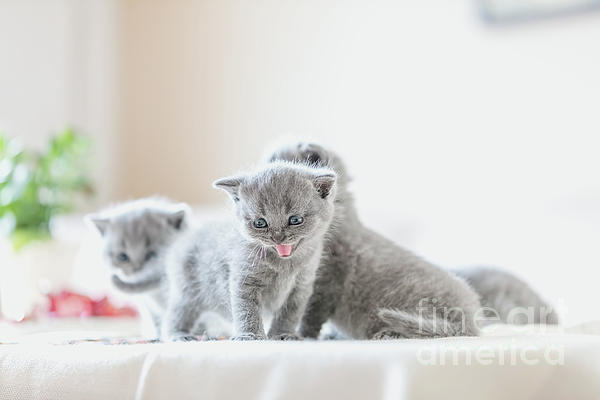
(369, 287)
(262, 262)
(136, 236)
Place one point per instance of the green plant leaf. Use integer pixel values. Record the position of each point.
(20, 238)
(37, 186)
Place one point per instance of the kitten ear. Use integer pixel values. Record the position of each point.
(303, 152)
(324, 183)
(230, 185)
(101, 224)
(178, 218)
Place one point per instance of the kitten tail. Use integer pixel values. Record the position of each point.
(407, 325)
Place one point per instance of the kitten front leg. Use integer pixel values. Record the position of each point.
(317, 313)
(179, 322)
(288, 317)
(245, 309)
(181, 315)
(322, 303)
(157, 322)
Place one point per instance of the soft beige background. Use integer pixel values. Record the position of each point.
(469, 143)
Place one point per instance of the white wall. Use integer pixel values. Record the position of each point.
(57, 70)
(34, 60)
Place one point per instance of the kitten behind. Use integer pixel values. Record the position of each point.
(369, 287)
(506, 298)
(136, 235)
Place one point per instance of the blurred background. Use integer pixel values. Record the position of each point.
(471, 128)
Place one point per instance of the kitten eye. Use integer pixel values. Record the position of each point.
(295, 220)
(150, 255)
(260, 223)
(122, 257)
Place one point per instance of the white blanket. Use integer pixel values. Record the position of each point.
(503, 364)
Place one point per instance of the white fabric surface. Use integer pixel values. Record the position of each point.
(504, 364)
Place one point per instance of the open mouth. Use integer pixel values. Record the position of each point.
(285, 250)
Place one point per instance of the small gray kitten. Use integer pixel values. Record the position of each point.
(369, 287)
(506, 298)
(136, 236)
(263, 262)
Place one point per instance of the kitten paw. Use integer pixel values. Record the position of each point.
(207, 338)
(286, 336)
(309, 333)
(247, 337)
(386, 334)
(183, 337)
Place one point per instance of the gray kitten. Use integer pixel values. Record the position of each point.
(263, 262)
(136, 236)
(369, 287)
(506, 298)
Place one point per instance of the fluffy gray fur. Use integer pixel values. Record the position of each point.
(506, 298)
(233, 268)
(369, 287)
(136, 236)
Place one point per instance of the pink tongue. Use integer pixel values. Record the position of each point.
(284, 250)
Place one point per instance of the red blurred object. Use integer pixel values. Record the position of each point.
(105, 308)
(70, 304)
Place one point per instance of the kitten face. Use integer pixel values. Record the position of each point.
(136, 238)
(282, 205)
